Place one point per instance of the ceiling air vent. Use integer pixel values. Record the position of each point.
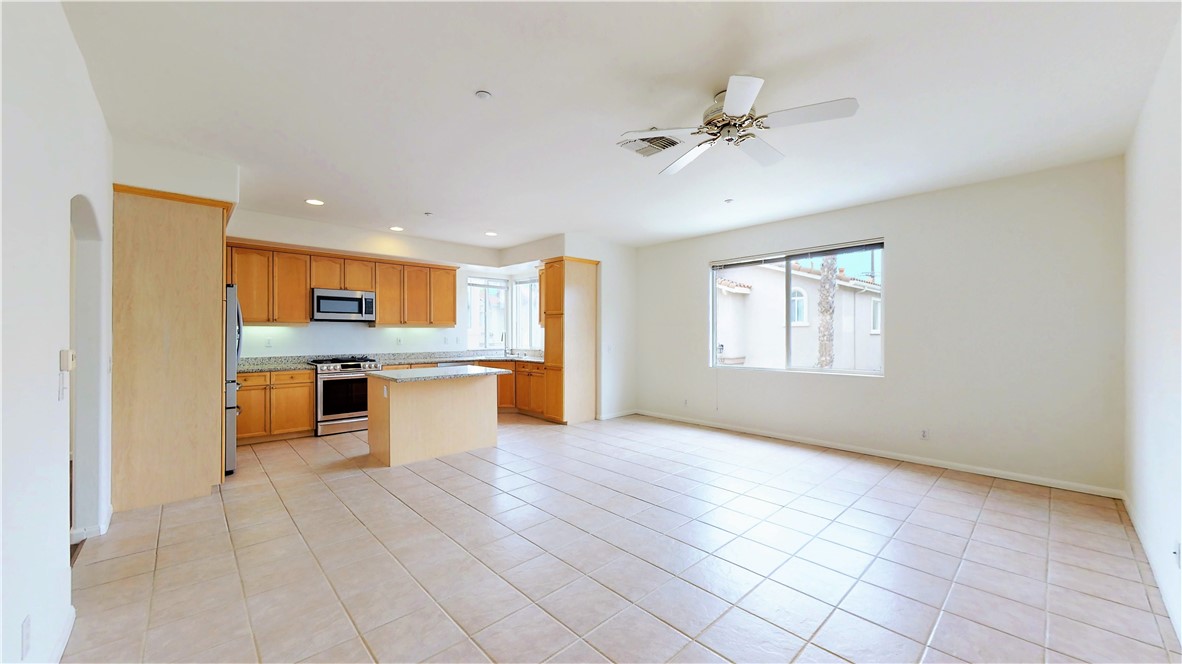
(647, 147)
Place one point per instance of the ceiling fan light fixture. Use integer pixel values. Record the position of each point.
(314, 201)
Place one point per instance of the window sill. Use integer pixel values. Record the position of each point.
(820, 372)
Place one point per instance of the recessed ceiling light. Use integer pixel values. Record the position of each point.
(483, 94)
(428, 214)
(491, 234)
(729, 200)
(397, 229)
(314, 201)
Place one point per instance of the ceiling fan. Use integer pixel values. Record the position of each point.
(732, 119)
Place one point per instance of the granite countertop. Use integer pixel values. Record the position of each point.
(297, 362)
(441, 373)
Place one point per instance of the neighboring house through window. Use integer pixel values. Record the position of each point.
(799, 307)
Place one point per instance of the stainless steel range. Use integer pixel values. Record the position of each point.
(341, 401)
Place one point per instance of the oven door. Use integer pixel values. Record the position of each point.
(341, 396)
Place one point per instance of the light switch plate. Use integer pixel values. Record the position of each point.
(67, 359)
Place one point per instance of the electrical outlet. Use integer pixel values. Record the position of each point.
(398, 341)
(445, 340)
(925, 434)
(685, 402)
(457, 340)
(26, 631)
(268, 342)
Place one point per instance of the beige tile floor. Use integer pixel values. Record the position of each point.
(632, 540)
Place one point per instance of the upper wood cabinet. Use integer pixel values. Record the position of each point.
(359, 275)
(416, 295)
(443, 297)
(291, 301)
(328, 272)
(389, 294)
(555, 286)
(252, 274)
(275, 284)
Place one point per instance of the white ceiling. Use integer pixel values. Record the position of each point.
(370, 107)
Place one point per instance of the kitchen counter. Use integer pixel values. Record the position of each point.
(418, 414)
(294, 362)
(440, 373)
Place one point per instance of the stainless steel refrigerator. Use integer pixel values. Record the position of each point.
(233, 352)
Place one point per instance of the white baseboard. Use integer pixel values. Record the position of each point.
(59, 648)
(79, 533)
(927, 461)
(620, 413)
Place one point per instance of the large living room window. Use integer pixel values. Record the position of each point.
(814, 310)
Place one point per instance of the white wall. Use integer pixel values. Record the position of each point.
(1154, 327)
(164, 169)
(55, 146)
(998, 338)
(618, 304)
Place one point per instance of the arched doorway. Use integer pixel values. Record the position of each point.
(89, 423)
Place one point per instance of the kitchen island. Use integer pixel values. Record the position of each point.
(417, 414)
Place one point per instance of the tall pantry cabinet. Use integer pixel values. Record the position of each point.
(168, 363)
(569, 306)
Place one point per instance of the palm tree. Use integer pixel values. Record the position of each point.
(826, 304)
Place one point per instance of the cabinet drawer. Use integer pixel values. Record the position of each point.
(258, 378)
(393, 367)
(289, 377)
(423, 366)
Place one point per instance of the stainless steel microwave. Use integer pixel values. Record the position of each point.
(346, 305)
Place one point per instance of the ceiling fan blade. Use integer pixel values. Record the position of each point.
(740, 95)
(686, 158)
(653, 133)
(826, 110)
(760, 150)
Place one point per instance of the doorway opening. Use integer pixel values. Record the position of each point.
(85, 383)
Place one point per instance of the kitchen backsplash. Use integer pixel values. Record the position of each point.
(338, 338)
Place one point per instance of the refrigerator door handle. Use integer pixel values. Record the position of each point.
(239, 331)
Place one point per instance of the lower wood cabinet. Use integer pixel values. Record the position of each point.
(276, 403)
(552, 409)
(530, 388)
(506, 384)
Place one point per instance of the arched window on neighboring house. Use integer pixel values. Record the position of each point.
(798, 307)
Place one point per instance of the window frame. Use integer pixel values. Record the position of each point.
(487, 283)
(513, 313)
(787, 258)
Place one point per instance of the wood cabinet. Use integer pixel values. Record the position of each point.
(553, 407)
(443, 297)
(328, 272)
(254, 409)
(537, 391)
(389, 294)
(276, 403)
(167, 382)
(571, 347)
(275, 284)
(552, 355)
(424, 366)
(252, 274)
(416, 295)
(272, 286)
(359, 275)
(555, 285)
(392, 367)
(291, 299)
(506, 384)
